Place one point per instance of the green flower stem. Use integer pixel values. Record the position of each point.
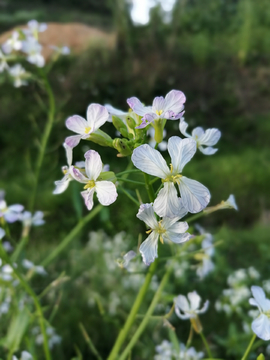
(129, 195)
(71, 235)
(89, 342)
(28, 289)
(44, 140)
(132, 315)
(149, 188)
(148, 315)
(249, 347)
(206, 345)
(128, 171)
(19, 248)
(131, 181)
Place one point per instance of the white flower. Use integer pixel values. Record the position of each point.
(207, 264)
(61, 50)
(261, 325)
(230, 203)
(10, 213)
(28, 220)
(97, 115)
(194, 195)
(3, 62)
(166, 229)
(18, 73)
(34, 28)
(35, 268)
(106, 190)
(119, 113)
(206, 138)
(25, 355)
(189, 306)
(13, 43)
(33, 49)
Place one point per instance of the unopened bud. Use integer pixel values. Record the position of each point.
(108, 176)
(131, 122)
(101, 138)
(120, 126)
(122, 146)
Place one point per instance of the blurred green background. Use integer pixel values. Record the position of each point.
(218, 53)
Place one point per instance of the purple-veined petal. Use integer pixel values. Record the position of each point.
(210, 137)
(176, 237)
(207, 150)
(68, 153)
(197, 133)
(106, 192)
(181, 152)
(146, 214)
(174, 101)
(167, 202)
(73, 140)
(183, 127)
(97, 115)
(150, 161)
(195, 196)
(88, 198)
(61, 185)
(148, 248)
(261, 327)
(77, 175)
(80, 164)
(146, 120)
(93, 164)
(138, 107)
(77, 124)
(158, 104)
(259, 296)
(194, 300)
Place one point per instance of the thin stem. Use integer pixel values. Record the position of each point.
(131, 181)
(129, 195)
(249, 347)
(36, 302)
(206, 345)
(149, 188)
(89, 341)
(148, 315)
(71, 235)
(44, 140)
(132, 315)
(128, 171)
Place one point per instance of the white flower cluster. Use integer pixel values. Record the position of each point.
(166, 351)
(25, 41)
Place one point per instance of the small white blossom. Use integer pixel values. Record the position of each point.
(25, 355)
(166, 229)
(32, 220)
(206, 138)
(3, 62)
(106, 190)
(19, 74)
(230, 203)
(33, 49)
(34, 28)
(188, 307)
(61, 50)
(261, 325)
(13, 43)
(35, 268)
(10, 213)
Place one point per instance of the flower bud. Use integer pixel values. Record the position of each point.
(108, 176)
(122, 146)
(101, 138)
(120, 126)
(261, 357)
(131, 122)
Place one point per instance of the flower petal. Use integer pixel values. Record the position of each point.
(93, 164)
(183, 127)
(113, 111)
(148, 248)
(77, 175)
(176, 236)
(158, 104)
(68, 153)
(194, 300)
(210, 137)
(167, 202)
(259, 296)
(73, 140)
(97, 115)
(88, 197)
(197, 132)
(174, 101)
(138, 107)
(61, 185)
(261, 327)
(150, 161)
(181, 303)
(77, 124)
(204, 308)
(208, 150)
(146, 214)
(106, 192)
(195, 196)
(16, 208)
(181, 152)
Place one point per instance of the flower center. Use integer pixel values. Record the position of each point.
(87, 130)
(161, 231)
(159, 112)
(90, 184)
(172, 178)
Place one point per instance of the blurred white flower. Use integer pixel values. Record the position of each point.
(230, 203)
(28, 220)
(25, 355)
(166, 351)
(2, 233)
(3, 62)
(33, 49)
(34, 27)
(261, 325)
(10, 213)
(19, 74)
(206, 265)
(203, 138)
(189, 306)
(35, 268)
(61, 50)
(13, 43)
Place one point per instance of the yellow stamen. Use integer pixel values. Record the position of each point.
(159, 112)
(87, 130)
(90, 184)
(172, 178)
(149, 231)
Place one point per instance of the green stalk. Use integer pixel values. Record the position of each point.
(89, 342)
(36, 302)
(206, 345)
(130, 181)
(132, 315)
(149, 188)
(71, 236)
(148, 315)
(44, 140)
(249, 347)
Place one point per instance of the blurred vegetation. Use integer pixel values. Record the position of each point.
(218, 54)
